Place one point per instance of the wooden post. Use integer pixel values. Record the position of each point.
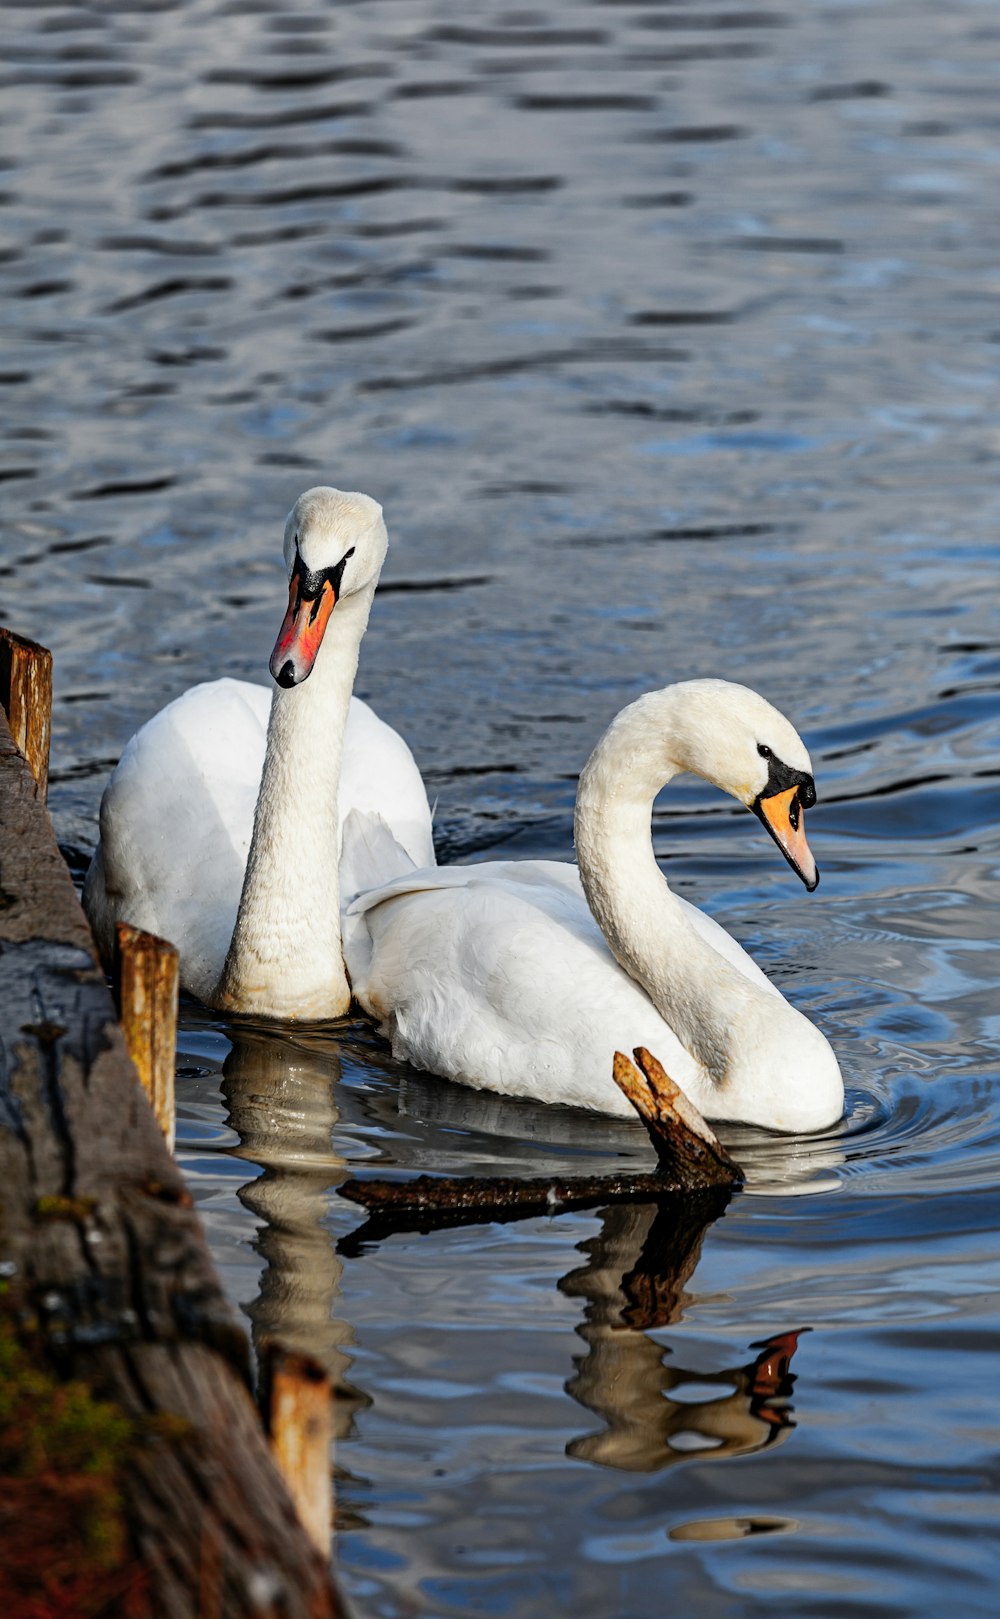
(300, 1421)
(147, 978)
(26, 698)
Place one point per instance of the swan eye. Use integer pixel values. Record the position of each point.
(764, 750)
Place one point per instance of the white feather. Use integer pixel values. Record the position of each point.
(177, 817)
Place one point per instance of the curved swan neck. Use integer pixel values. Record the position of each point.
(692, 987)
(285, 959)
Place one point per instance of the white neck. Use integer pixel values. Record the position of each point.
(285, 959)
(750, 1043)
(692, 987)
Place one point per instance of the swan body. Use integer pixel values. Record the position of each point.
(221, 825)
(525, 976)
(177, 817)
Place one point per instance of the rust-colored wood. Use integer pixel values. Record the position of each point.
(687, 1148)
(106, 1266)
(26, 699)
(147, 983)
(300, 1420)
(690, 1157)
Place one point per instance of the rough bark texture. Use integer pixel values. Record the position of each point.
(692, 1161)
(107, 1273)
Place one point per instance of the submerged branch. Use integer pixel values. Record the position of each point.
(691, 1162)
(687, 1149)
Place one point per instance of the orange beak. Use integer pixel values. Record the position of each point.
(783, 816)
(302, 629)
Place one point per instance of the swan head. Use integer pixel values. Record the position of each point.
(335, 544)
(737, 740)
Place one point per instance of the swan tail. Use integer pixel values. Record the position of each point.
(371, 856)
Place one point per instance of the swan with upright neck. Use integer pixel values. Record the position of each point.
(525, 976)
(221, 825)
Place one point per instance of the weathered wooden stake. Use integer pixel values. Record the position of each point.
(300, 1422)
(147, 979)
(26, 697)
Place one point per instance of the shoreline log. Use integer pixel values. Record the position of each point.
(110, 1307)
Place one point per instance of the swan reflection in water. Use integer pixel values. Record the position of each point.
(633, 1282)
(638, 1266)
(280, 1096)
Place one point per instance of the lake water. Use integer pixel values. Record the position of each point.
(667, 334)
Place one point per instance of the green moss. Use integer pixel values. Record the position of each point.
(50, 1428)
(169, 1426)
(63, 1456)
(65, 1208)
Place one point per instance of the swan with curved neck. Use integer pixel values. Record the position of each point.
(524, 976)
(221, 826)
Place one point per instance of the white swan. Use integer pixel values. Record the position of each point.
(499, 976)
(252, 899)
